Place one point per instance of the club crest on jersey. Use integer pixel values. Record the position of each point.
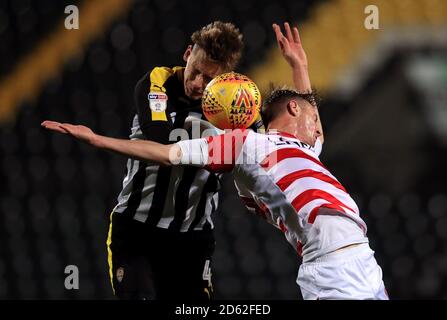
(120, 274)
(157, 101)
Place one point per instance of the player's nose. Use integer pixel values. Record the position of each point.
(199, 83)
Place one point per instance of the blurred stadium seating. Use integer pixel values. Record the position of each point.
(384, 98)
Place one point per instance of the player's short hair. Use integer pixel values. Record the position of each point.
(221, 41)
(276, 102)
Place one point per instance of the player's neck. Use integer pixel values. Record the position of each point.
(283, 126)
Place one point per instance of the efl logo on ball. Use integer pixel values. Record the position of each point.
(231, 101)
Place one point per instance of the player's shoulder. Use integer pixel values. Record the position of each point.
(246, 135)
(158, 76)
(256, 134)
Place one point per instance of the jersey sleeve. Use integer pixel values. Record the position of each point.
(155, 124)
(216, 153)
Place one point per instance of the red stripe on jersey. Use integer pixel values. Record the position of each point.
(286, 153)
(262, 210)
(312, 194)
(314, 213)
(247, 200)
(287, 180)
(224, 149)
(299, 248)
(282, 226)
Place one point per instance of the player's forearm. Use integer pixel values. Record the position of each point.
(137, 149)
(302, 83)
(301, 79)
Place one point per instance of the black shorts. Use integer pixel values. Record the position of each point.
(146, 262)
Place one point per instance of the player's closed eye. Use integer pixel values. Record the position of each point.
(194, 73)
(207, 79)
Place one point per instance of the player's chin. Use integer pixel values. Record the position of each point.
(310, 141)
(196, 95)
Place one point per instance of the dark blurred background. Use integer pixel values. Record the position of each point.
(384, 112)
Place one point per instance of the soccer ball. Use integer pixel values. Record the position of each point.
(231, 101)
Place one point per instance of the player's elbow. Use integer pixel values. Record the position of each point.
(170, 155)
(151, 152)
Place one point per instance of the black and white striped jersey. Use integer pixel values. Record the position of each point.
(178, 198)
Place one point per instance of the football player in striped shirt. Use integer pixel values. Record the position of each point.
(280, 177)
(163, 215)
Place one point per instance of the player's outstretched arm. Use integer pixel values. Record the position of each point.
(137, 149)
(293, 53)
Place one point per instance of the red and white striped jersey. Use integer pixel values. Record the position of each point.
(282, 179)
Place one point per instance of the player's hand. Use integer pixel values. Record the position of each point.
(79, 132)
(290, 45)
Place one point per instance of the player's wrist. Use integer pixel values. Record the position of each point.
(298, 65)
(97, 141)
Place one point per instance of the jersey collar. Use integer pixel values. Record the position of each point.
(282, 134)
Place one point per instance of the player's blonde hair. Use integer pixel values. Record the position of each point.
(221, 42)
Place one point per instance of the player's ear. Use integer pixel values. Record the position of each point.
(187, 53)
(293, 108)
